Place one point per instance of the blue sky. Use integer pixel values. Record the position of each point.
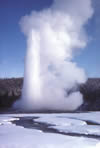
(13, 42)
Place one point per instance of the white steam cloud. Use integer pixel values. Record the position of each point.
(54, 36)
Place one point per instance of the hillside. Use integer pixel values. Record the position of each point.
(10, 91)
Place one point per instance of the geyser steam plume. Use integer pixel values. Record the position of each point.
(54, 36)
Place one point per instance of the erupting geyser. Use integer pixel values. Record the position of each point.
(32, 83)
(54, 36)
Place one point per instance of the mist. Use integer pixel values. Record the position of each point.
(54, 36)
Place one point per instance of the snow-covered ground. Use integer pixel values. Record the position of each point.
(75, 130)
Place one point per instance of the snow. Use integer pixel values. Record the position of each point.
(12, 136)
(69, 123)
(98, 145)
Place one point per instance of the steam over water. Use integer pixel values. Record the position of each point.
(54, 36)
